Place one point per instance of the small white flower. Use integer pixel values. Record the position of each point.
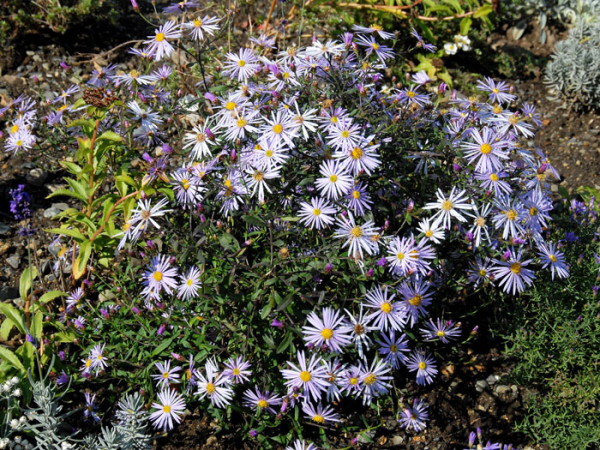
(17, 392)
(14, 380)
(14, 424)
(450, 48)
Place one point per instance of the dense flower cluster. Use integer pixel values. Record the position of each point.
(277, 145)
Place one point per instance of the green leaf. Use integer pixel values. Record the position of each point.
(72, 232)
(253, 221)
(14, 315)
(465, 25)
(27, 354)
(6, 328)
(85, 251)
(72, 167)
(285, 343)
(36, 325)
(67, 193)
(158, 350)
(11, 358)
(64, 336)
(483, 11)
(290, 219)
(49, 296)
(109, 136)
(27, 278)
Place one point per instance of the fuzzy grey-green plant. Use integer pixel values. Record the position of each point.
(44, 417)
(129, 433)
(573, 75)
(565, 12)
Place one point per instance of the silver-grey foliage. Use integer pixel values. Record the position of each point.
(574, 72)
(566, 12)
(129, 433)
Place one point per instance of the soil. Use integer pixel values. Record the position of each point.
(469, 393)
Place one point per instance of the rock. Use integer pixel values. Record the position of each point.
(486, 403)
(14, 261)
(481, 385)
(55, 209)
(507, 394)
(8, 292)
(4, 247)
(107, 295)
(55, 248)
(46, 267)
(492, 379)
(4, 229)
(36, 177)
(366, 437)
(18, 302)
(397, 440)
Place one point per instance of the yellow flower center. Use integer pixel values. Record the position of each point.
(422, 365)
(197, 23)
(188, 374)
(512, 215)
(393, 348)
(482, 272)
(318, 418)
(230, 106)
(428, 233)
(160, 37)
(353, 380)
(165, 375)
(356, 153)
(345, 134)
(356, 194)
(236, 371)
(241, 63)
(447, 205)
(375, 46)
(441, 333)
(258, 176)
(227, 183)
(359, 329)
(166, 409)
(480, 222)
(200, 137)
(277, 129)
(513, 119)
(305, 376)
(553, 258)
(316, 212)
(88, 363)
(494, 177)
(14, 129)
(241, 123)
(515, 268)
(386, 307)
(410, 94)
(262, 404)
(485, 149)
(158, 276)
(327, 333)
(370, 379)
(19, 143)
(533, 211)
(334, 119)
(356, 232)
(210, 388)
(400, 256)
(185, 183)
(416, 300)
(269, 153)
(498, 109)
(496, 91)
(333, 178)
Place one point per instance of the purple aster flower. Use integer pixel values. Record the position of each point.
(511, 274)
(424, 365)
(414, 417)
